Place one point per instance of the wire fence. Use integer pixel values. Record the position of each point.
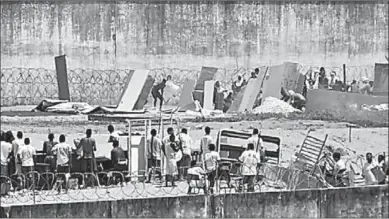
(34, 187)
(29, 86)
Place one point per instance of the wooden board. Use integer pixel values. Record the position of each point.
(206, 74)
(208, 95)
(300, 84)
(291, 75)
(128, 79)
(251, 92)
(272, 86)
(140, 103)
(237, 101)
(380, 78)
(133, 91)
(186, 98)
(62, 78)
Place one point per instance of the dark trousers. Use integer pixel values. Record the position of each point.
(4, 170)
(212, 179)
(183, 165)
(249, 180)
(157, 96)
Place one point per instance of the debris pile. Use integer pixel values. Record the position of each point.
(274, 105)
(380, 107)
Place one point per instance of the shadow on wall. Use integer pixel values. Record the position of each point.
(365, 202)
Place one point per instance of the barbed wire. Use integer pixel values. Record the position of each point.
(34, 187)
(29, 86)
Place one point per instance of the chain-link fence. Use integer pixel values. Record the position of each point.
(29, 86)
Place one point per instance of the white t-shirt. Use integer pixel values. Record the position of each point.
(340, 165)
(63, 151)
(27, 155)
(112, 136)
(210, 160)
(6, 148)
(250, 159)
(204, 142)
(186, 143)
(16, 145)
(258, 142)
(370, 178)
(156, 150)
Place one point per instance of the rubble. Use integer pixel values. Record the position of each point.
(274, 105)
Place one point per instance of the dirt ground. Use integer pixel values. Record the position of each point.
(292, 133)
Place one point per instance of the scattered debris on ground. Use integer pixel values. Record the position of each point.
(274, 105)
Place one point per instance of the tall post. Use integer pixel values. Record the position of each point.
(129, 148)
(146, 149)
(344, 77)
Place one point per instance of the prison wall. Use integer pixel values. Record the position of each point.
(229, 34)
(362, 202)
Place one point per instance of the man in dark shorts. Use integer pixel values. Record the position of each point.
(47, 148)
(64, 160)
(157, 91)
(153, 155)
(88, 145)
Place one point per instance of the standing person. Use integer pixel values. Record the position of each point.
(5, 154)
(157, 92)
(206, 140)
(88, 145)
(112, 134)
(339, 169)
(370, 178)
(17, 144)
(173, 156)
(64, 159)
(26, 156)
(250, 160)
(227, 102)
(153, 155)
(238, 84)
(383, 166)
(47, 149)
(186, 147)
(9, 137)
(211, 160)
(256, 140)
(256, 71)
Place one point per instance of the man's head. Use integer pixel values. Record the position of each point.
(207, 130)
(381, 158)
(153, 132)
(51, 137)
(255, 132)
(170, 130)
(27, 141)
(89, 132)
(256, 70)
(19, 134)
(239, 77)
(9, 137)
(212, 147)
(322, 70)
(184, 130)
(62, 138)
(111, 128)
(354, 81)
(169, 77)
(371, 83)
(250, 146)
(115, 143)
(369, 157)
(336, 156)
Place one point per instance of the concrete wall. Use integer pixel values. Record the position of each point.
(362, 202)
(191, 35)
(327, 99)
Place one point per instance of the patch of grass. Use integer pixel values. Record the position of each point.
(361, 118)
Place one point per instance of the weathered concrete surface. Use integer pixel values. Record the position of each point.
(327, 99)
(362, 202)
(106, 36)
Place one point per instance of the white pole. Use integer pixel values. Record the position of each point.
(162, 155)
(146, 149)
(129, 143)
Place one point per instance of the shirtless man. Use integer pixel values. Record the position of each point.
(157, 91)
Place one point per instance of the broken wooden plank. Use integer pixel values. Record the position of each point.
(133, 91)
(62, 78)
(208, 94)
(148, 85)
(206, 74)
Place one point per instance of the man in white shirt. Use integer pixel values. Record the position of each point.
(257, 141)
(154, 145)
(211, 159)
(205, 141)
(113, 135)
(250, 160)
(17, 144)
(6, 149)
(26, 157)
(186, 146)
(64, 159)
(340, 169)
(369, 176)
